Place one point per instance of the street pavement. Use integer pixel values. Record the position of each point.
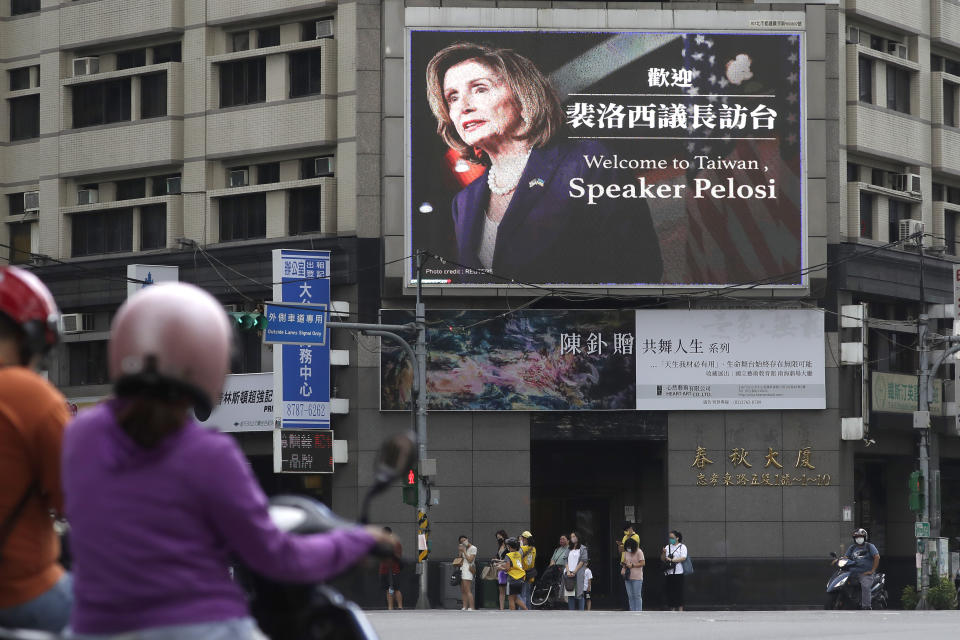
(736, 625)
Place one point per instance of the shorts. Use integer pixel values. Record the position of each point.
(388, 582)
(586, 595)
(465, 573)
(514, 587)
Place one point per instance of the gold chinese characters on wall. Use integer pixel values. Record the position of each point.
(740, 457)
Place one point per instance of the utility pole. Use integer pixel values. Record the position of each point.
(922, 421)
(423, 504)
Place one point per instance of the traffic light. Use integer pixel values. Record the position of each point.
(249, 320)
(917, 489)
(411, 487)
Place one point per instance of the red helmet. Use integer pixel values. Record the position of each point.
(172, 336)
(29, 304)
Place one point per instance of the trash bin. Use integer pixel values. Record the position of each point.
(450, 594)
(488, 596)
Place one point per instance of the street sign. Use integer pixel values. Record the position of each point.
(296, 319)
(295, 324)
(302, 451)
(921, 529)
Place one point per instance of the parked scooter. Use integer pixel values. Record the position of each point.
(306, 611)
(843, 591)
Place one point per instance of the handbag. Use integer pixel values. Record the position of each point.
(569, 582)
(488, 573)
(687, 565)
(458, 561)
(455, 578)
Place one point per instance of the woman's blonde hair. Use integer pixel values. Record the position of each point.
(537, 100)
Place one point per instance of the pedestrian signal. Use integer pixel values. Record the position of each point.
(411, 488)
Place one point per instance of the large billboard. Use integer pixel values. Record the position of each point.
(601, 158)
(561, 360)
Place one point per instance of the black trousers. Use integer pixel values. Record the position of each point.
(674, 590)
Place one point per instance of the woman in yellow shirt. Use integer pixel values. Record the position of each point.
(528, 555)
(515, 574)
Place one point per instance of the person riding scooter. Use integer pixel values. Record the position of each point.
(865, 559)
(157, 503)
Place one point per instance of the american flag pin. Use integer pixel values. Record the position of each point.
(536, 182)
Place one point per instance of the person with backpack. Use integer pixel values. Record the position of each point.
(35, 590)
(513, 565)
(529, 555)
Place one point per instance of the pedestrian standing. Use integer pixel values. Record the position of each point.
(588, 586)
(390, 576)
(629, 533)
(528, 553)
(515, 574)
(559, 558)
(673, 556)
(501, 558)
(632, 572)
(577, 558)
(35, 591)
(468, 570)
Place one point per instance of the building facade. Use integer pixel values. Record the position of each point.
(205, 134)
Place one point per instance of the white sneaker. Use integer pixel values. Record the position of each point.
(469, 609)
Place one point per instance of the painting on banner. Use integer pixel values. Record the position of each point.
(635, 158)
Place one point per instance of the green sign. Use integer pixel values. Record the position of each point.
(921, 529)
(897, 393)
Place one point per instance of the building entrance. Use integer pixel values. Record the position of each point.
(591, 487)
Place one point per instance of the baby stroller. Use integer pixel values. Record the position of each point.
(548, 589)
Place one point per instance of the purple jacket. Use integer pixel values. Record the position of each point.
(152, 530)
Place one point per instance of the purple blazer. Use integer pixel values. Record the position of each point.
(549, 237)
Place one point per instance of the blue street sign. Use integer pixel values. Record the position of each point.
(295, 324)
(305, 387)
(302, 357)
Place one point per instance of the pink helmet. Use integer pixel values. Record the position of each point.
(174, 336)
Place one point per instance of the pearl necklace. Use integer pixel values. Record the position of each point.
(513, 168)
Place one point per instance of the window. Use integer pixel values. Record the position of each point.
(101, 103)
(898, 211)
(167, 53)
(243, 217)
(102, 232)
(153, 95)
(240, 41)
(243, 82)
(304, 210)
(951, 66)
(308, 167)
(268, 173)
(853, 172)
(950, 104)
(878, 177)
(20, 78)
(898, 89)
(876, 42)
(24, 117)
(20, 7)
(131, 59)
(130, 189)
(19, 243)
(269, 37)
(88, 362)
(15, 203)
(153, 227)
(866, 215)
(953, 195)
(866, 80)
(937, 191)
(950, 231)
(160, 185)
(305, 73)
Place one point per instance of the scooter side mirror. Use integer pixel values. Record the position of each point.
(395, 456)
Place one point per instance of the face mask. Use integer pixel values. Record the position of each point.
(673, 541)
(858, 540)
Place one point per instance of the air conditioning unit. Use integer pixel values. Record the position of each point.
(31, 201)
(853, 35)
(323, 166)
(232, 308)
(906, 182)
(173, 186)
(239, 178)
(898, 49)
(86, 66)
(88, 196)
(76, 322)
(324, 29)
(910, 228)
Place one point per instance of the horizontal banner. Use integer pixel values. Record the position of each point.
(559, 360)
(594, 158)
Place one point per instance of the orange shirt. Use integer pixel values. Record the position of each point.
(33, 415)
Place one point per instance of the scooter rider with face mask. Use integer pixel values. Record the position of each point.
(865, 559)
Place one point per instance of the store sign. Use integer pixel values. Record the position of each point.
(897, 393)
(656, 158)
(246, 404)
(746, 468)
(302, 451)
(560, 360)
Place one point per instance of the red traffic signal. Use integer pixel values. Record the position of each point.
(411, 477)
